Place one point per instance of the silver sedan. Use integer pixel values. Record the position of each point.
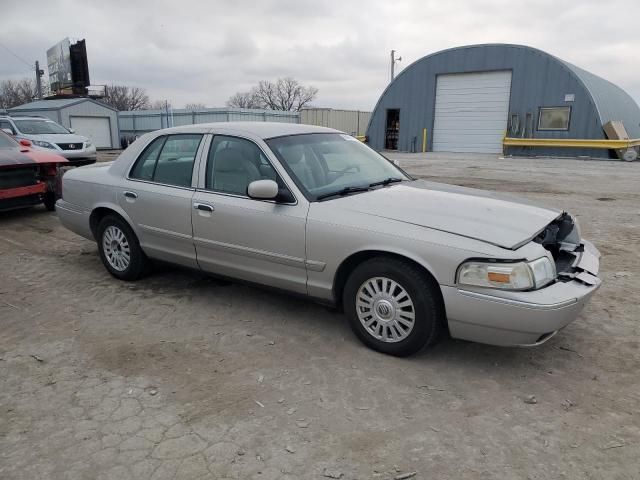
(313, 211)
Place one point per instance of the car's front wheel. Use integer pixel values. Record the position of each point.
(393, 306)
(119, 249)
(49, 200)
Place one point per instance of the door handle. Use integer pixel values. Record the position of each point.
(131, 194)
(205, 207)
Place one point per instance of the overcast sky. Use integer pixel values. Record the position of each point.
(189, 51)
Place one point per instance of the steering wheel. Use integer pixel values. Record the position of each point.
(340, 173)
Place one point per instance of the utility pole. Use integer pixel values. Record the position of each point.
(39, 74)
(393, 63)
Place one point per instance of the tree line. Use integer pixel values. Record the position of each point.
(286, 94)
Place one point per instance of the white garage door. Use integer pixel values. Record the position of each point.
(96, 128)
(471, 112)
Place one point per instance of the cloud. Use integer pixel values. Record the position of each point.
(191, 51)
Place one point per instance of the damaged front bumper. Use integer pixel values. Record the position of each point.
(511, 318)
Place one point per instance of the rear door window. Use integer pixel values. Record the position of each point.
(168, 160)
(146, 163)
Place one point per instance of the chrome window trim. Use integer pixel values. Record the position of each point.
(192, 189)
(235, 195)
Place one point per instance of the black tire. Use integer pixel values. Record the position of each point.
(429, 317)
(49, 200)
(138, 265)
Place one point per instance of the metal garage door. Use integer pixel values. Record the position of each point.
(96, 128)
(471, 112)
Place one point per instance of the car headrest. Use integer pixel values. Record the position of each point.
(230, 160)
(293, 154)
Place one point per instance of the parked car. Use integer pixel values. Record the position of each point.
(27, 177)
(48, 135)
(315, 212)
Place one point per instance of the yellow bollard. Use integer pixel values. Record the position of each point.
(424, 140)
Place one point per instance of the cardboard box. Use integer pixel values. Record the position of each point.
(615, 131)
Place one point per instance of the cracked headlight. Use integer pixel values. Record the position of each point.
(507, 276)
(42, 144)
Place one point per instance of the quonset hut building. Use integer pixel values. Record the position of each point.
(467, 98)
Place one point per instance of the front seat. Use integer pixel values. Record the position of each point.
(233, 172)
(295, 158)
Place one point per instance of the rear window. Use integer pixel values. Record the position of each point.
(39, 127)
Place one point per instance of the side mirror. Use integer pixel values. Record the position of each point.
(263, 190)
(25, 143)
(8, 131)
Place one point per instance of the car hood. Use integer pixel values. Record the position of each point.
(498, 219)
(57, 138)
(17, 157)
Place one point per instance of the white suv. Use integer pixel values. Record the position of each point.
(48, 135)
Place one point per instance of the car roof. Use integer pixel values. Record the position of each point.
(262, 130)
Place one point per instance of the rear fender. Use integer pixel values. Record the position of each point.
(118, 210)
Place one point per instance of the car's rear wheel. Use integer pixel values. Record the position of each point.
(120, 250)
(393, 307)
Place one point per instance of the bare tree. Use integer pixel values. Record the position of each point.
(244, 100)
(17, 92)
(284, 94)
(160, 105)
(124, 98)
(195, 106)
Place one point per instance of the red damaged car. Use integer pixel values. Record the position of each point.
(28, 177)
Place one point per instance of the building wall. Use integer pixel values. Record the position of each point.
(81, 109)
(136, 123)
(538, 80)
(353, 122)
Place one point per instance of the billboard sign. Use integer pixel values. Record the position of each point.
(59, 65)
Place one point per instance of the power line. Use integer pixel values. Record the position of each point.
(17, 56)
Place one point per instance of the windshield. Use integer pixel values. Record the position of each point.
(39, 127)
(6, 141)
(325, 163)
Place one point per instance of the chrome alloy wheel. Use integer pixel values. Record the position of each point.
(116, 248)
(385, 309)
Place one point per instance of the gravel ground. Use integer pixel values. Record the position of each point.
(182, 376)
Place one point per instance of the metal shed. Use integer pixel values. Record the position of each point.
(86, 116)
(353, 122)
(466, 99)
(138, 122)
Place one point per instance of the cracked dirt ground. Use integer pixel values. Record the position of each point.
(181, 376)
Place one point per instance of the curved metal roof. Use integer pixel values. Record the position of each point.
(610, 101)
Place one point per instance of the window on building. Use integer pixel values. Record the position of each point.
(554, 118)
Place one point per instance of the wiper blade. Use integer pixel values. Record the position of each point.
(342, 192)
(386, 181)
